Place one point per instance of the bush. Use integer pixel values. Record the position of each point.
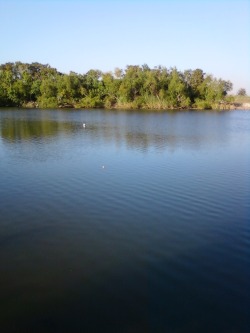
(47, 103)
(109, 102)
(91, 102)
(138, 103)
(202, 105)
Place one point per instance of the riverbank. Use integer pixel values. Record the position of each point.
(241, 102)
(220, 106)
(242, 106)
(234, 103)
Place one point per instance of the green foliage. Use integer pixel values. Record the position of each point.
(202, 104)
(135, 87)
(47, 102)
(177, 92)
(91, 102)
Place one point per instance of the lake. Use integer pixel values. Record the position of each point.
(139, 222)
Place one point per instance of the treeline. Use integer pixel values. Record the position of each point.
(42, 86)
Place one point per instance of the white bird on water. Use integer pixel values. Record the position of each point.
(83, 125)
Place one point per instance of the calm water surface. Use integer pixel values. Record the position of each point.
(139, 222)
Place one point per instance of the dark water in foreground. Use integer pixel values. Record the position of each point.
(138, 223)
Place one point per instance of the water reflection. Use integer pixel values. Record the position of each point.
(14, 130)
(138, 130)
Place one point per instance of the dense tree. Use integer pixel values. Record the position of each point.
(137, 86)
(194, 80)
(177, 92)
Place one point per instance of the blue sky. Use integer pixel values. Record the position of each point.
(79, 35)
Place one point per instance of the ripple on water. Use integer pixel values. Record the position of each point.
(156, 241)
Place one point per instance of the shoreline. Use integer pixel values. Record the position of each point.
(221, 107)
(242, 106)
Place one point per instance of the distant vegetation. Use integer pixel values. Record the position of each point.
(37, 85)
(242, 92)
(242, 99)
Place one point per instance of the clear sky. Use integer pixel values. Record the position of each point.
(79, 35)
